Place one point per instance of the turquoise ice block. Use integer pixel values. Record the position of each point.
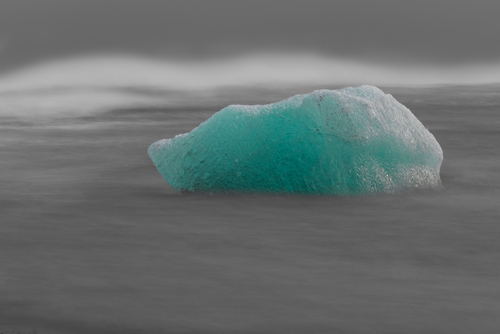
(351, 141)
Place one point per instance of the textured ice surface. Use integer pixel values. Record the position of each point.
(345, 142)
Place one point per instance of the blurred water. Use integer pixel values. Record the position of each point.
(93, 240)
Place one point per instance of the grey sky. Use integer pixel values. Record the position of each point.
(434, 32)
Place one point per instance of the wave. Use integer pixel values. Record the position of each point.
(102, 82)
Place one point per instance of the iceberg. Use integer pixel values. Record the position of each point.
(352, 141)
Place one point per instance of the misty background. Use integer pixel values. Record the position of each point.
(259, 42)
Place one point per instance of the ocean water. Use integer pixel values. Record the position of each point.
(93, 240)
